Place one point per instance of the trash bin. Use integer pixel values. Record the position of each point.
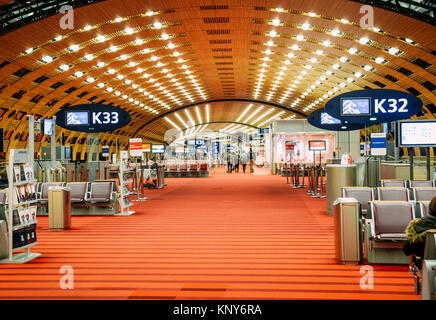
(338, 176)
(59, 208)
(347, 227)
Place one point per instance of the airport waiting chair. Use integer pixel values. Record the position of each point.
(3, 197)
(393, 183)
(79, 193)
(43, 194)
(423, 193)
(101, 192)
(423, 207)
(393, 194)
(428, 290)
(420, 183)
(384, 231)
(362, 194)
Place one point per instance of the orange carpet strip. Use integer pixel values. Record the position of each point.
(227, 236)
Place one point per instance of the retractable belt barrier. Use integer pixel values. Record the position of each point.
(315, 176)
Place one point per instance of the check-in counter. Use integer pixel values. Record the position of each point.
(338, 176)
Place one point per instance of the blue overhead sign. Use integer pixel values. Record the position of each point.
(320, 119)
(92, 118)
(373, 106)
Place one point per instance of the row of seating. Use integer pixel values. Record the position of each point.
(85, 193)
(367, 194)
(186, 169)
(408, 183)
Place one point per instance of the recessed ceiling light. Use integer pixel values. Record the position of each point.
(300, 37)
(47, 59)
(30, 50)
(313, 60)
(344, 20)
(123, 57)
(149, 13)
(358, 74)
(87, 28)
(276, 22)
(74, 47)
(393, 50)
(64, 67)
(326, 43)
(270, 43)
(312, 14)
(90, 79)
(272, 33)
(118, 19)
(89, 57)
(100, 85)
(363, 40)
(165, 36)
(335, 32)
(120, 77)
(408, 40)
(352, 50)
(268, 51)
(58, 38)
(139, 41)
(335, 66)
(379, 60)
(132, 64)
(343, 59)
(157, 25)
(368, 68)
(171, 45)
(350, 80)
(376, 29)
(129, 30)
(319, 52)
(101, 38)
(113, 48)
(78, 74)
(305, 26)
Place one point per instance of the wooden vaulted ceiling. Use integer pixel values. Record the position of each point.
(158, 58)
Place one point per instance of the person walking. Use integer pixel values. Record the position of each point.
(235, 161)
(244, 161)
(229, 162)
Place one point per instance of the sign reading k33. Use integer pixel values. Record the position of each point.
(92, 118)
(373, 106)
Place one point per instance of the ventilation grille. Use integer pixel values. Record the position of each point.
(391, 78)
(217, 20)
(221, 41)
(70, 90)
(222, 50)
(405, 71)
(21, 73)
(430, 86)
(218, 31)
(414, 91)
(223, 63)
(381, 85)
(41, 79)
(225, 7)
(224, 69)
(421, 63)
(57, 85)
(222, 57)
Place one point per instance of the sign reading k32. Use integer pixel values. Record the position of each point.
(92, 118)
(373, 106)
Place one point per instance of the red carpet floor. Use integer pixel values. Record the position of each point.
(228, 236)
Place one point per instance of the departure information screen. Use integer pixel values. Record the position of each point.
(355, 106)
(157, 148)
(418, 133)
(77, 118)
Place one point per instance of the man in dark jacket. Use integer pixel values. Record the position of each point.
(416, 232)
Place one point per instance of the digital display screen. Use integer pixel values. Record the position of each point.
(200, 142)
(48, 127)
(418, 133)
(179, 149)
(67, 152)
(327, 119)
(191, 142)
(317, 145)
(355, 106)
(77, 118)
(157, 148)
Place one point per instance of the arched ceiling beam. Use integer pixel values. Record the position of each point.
(219, 100)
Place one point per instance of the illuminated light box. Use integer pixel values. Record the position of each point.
(157, 148)
(317, 145)
(326, 119)
(77, 118)
(353, 106)
(418, 133)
